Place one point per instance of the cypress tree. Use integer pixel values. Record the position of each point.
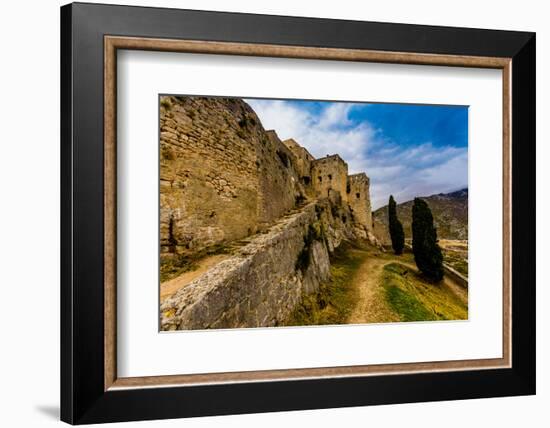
(396, 228)
(427, 253)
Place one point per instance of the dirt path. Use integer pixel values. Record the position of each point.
(170, 287)
(371, 306)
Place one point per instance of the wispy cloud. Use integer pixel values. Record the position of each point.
(416, 171)
(405, 171)
(327, 132)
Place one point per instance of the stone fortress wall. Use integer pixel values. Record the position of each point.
(302, 163)
(358, 198)
(329, 173)
(224, 178)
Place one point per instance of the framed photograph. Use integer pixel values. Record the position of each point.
(266, 213)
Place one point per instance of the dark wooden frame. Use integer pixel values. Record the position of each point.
(89, 33)
(114, 43)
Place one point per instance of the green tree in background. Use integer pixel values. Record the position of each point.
(396, 228)
(427, 253)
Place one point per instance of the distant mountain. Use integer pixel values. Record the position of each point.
(450, 211)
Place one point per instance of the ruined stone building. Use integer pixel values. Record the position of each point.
(358, 198)
(223, 178)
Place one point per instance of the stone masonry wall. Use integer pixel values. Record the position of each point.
(221, 176)
(358, 197)
(262, 284)
(280, 186)
(329, 173)
(303, 161)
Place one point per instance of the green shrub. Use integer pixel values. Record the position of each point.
(315, 232)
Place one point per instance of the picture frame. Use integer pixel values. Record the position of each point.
(91, 35)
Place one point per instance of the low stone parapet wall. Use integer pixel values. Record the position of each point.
(260, 285)
(457, 276)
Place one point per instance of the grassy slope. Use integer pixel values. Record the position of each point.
(415, 299)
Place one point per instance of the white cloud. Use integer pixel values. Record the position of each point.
(336, 115)
(420, 170)
(327, 133)
(405, 172)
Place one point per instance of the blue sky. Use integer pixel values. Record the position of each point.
(407, 150)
